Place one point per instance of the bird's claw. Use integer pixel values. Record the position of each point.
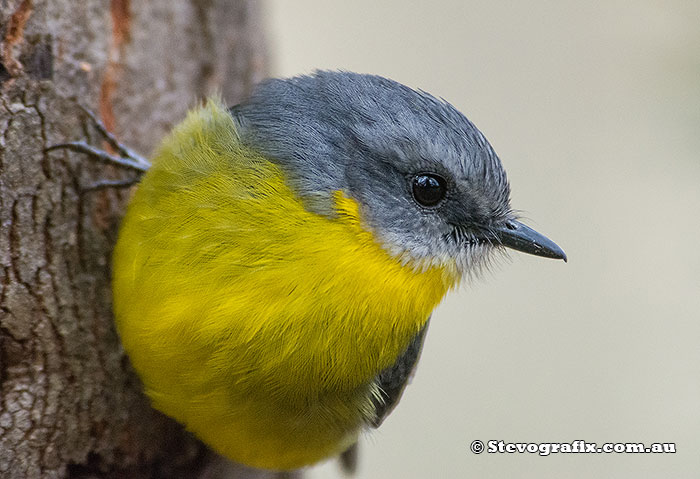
(127, 158)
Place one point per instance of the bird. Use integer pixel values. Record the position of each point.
(279, 261)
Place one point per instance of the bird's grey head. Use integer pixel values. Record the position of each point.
(430, 186)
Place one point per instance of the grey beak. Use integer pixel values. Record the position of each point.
(519, 237)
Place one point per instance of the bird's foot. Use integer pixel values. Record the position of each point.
(126, 157)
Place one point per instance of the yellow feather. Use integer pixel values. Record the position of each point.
(254, 322)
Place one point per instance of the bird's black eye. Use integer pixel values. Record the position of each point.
(429, 189)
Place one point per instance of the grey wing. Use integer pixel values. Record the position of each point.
(392, 381)
(348, 459)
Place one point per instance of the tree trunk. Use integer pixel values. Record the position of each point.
(70, 406)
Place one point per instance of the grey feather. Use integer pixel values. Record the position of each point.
(393, 380)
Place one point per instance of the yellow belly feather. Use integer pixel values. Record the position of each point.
(256, 323)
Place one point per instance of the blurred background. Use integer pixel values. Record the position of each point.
(594, 109)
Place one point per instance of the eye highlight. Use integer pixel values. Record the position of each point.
(429, 189)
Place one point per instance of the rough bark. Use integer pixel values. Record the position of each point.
(70, 406)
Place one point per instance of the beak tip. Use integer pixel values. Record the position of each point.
(558, 253)
(554, 252)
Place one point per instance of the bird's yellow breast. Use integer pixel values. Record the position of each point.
(258, 324)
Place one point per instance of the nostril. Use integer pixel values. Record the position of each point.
(511, 226)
